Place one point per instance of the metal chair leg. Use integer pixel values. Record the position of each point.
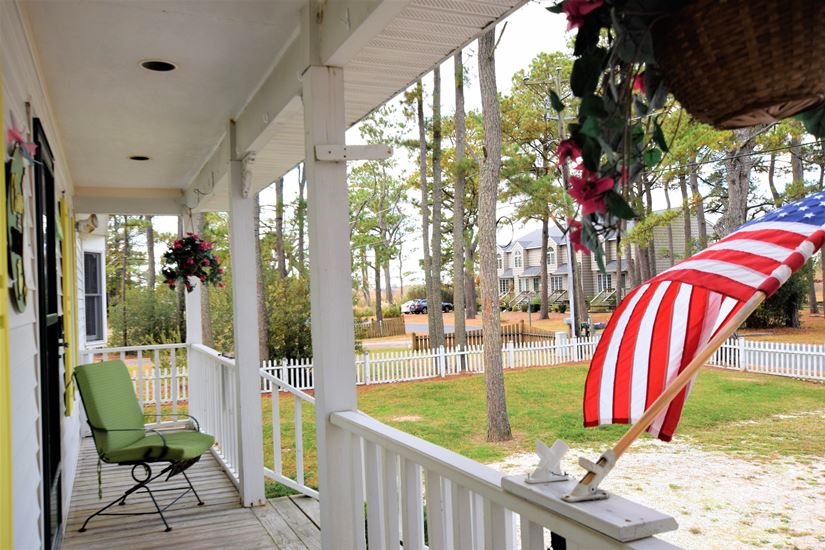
(200, 502)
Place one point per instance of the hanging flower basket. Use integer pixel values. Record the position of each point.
(737, 63)
(191, 257)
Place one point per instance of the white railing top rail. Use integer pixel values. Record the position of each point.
(214, 355)
(119, 349)
(287, 387)
(487, 482)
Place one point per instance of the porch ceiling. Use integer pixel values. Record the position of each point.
(236, 60)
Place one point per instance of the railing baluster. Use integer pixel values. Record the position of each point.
(532, 535)
(141, 394)
(391, 494)
(436, 517)
(412, 519)
(173, 360)
(156, 357)
(276, 430)
(299, 442)
(462, 517)
(376, 522)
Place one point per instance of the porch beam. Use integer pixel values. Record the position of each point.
(245, 315)
(333, 340)
(331, 33)
(128, 200)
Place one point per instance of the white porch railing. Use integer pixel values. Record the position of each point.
(159, 372)
(276, 472)
(215, 404)
(403, 480)
(802, 361)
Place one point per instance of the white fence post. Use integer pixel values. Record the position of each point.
(442, 362)
(367, 368)
(742, 358)
(511, 355)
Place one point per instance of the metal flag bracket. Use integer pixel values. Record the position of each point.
(588, 487)
(549, 468)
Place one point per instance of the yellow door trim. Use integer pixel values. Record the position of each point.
(6, 503)
(69, 291)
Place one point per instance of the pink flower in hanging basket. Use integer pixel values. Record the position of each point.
(568, 149)
(178, 245)
(203, 278)
(575, 228)
(639, 83)
(576, 11)
(220, 270)
(589, 191)
(190, 261)
(205, 261)
(223, 285)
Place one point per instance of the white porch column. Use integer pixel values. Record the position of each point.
(194, 335)
(245, 315)
(333, 341)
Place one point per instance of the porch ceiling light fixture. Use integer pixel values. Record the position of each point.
(158, 65)
(140, 158)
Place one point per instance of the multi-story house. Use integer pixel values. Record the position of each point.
(519, 265)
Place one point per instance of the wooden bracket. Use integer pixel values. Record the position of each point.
(352, 152)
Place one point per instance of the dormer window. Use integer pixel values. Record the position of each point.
(499, 261)
(517, 259)
(551, 256)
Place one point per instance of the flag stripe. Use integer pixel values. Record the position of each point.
(643, 351)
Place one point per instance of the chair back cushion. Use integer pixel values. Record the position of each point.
(111, 404)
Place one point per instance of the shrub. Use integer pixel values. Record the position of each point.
(390, 311)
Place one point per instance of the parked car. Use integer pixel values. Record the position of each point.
(419, 306)
(406, 307)
(446, 307)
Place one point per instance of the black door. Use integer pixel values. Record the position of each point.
(51, 337)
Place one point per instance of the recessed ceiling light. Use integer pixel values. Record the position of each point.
(158, 65)
(139, 157)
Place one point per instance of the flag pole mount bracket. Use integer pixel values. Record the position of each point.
(549, 468)
(588, 489)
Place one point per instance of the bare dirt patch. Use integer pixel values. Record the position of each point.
(720, 501)
(407, 418)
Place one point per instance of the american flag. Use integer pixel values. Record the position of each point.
(664, 323)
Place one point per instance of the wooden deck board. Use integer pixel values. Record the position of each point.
(220, 523)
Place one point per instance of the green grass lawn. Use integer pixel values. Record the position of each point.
(729, 411)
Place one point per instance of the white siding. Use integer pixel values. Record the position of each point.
(21, 85)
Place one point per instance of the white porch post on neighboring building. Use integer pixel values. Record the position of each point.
(245, 316)
(333, 341)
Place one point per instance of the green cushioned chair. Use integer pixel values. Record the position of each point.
(117, 423)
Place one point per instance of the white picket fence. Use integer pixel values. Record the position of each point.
(802, 361)
(408, 365)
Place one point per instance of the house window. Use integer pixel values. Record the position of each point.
(556, 283)
(551, 256)
(93, 287)
(604, 282)
(499, 261)
(536, 284)
(517, 259)
(503, 286)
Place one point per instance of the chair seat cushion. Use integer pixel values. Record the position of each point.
(184, 445)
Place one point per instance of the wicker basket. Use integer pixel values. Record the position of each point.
(736, 63)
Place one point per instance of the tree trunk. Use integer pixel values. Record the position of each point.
(777, 200)
(300, 220)
(180, 290)
(498, 423)
(458, 209)
(365, 278)
(632, 265)
(812, 303)
(206, 308)
(686, 212)
(401, 270)
(437, 338)
(425, 211)
(379, 314)
(124, 275)
(669, 228)
(738, 168)
(545, 236)
(701, 224)
(279, 228)
(150, 253)
(470, 295)
(260, 295)
(797, 169)
(642, 254)
(651, 255)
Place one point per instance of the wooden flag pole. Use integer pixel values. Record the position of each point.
(587, 489)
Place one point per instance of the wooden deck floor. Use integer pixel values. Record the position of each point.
(286, 522)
